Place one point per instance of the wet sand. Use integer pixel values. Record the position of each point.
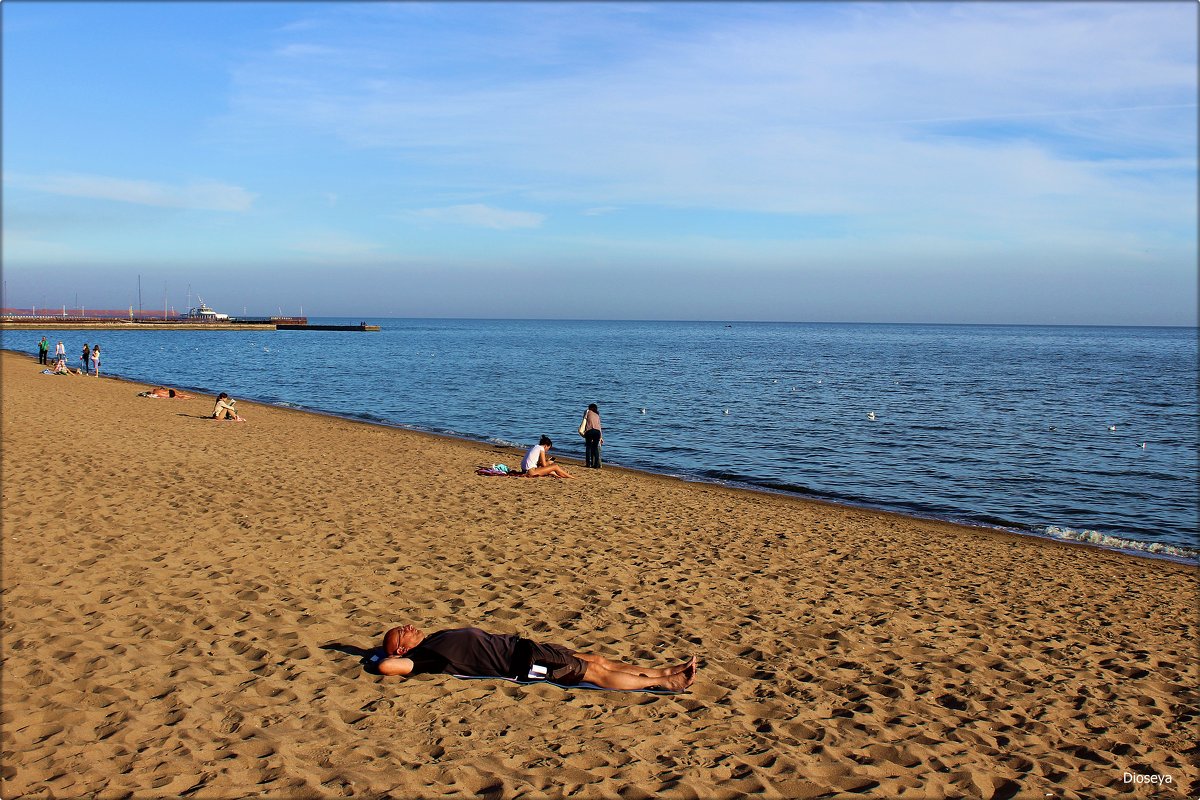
(186, 603)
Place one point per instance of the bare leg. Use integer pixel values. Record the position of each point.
(648, 672)
(616, 675)
(553, 470)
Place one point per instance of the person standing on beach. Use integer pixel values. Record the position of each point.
(96, 361)
(43, 352)
(593, 437)
(60, 351)
(84, 359)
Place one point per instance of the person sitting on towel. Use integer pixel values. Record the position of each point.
(61, 368)
(538, 462)
(471, 651)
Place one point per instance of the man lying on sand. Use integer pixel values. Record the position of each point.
(471, 651)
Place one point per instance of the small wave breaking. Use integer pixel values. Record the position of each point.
(1179, 552)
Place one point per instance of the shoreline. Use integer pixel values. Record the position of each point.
(751, 488)
(1142, 552)
(187, 605)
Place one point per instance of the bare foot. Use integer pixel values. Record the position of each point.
(682, 667)
(680, 681)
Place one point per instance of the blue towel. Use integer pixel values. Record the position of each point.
(587, 686)
(376, 656)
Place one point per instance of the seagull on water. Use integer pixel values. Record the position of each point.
(871, 416)
(1112, 427)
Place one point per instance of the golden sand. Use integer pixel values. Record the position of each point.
(185, 601)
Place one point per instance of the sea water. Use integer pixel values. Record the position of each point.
(1080, 433)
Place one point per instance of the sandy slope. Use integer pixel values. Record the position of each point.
(185, 601)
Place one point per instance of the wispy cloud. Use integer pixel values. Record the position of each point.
(200, 195)
(480, 216)
(794, 108)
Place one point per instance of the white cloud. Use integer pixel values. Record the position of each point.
(482, 216)
(200, 195)
(774, 109)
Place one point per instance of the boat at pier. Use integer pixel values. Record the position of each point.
(203, 313)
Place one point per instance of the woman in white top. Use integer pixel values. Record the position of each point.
(538, 463)
(225, 409)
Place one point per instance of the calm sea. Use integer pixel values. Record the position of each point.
(1087, 434)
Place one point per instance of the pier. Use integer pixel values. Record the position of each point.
(362, 326)
(32, 319)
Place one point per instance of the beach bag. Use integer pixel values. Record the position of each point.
(583, 425)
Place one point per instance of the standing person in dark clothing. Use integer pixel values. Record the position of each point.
(43, 351)
(593, 437)
(471, 651)
(84, 359)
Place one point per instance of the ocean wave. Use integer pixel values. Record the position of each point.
(1173, 551)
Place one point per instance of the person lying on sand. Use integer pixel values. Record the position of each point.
(164, 392)
(471, 651)
(538, 462)
(225, 409)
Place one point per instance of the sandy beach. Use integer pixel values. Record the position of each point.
(186, 603)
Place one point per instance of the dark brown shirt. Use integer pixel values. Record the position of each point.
(464, 651)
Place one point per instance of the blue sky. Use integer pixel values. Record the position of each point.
(898, 162)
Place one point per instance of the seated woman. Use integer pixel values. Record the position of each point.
(61, 368)
(225, 409)
(538, 463)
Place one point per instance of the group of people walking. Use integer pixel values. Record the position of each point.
(89, 358)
